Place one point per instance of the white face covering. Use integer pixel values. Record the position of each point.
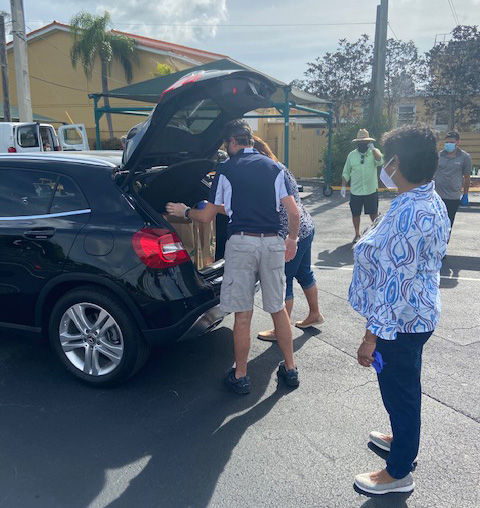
(386, 178)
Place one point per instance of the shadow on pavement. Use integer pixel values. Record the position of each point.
(341, 256)
(453, 265)
(162, 440)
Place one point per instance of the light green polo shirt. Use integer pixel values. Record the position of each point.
(363, 178)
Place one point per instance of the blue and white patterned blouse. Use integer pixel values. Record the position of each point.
(396, 274)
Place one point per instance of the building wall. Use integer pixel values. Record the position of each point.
(305, 148)
(60, 92)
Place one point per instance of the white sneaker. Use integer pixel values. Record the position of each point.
(376, 438)
(363, 482)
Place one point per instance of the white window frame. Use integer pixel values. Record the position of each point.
(401, 121)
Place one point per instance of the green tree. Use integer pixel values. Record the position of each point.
(162, 69)
(93, 38)
(343, 77)
(452, 76)
(403, 74)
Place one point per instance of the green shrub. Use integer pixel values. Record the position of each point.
(111, 144)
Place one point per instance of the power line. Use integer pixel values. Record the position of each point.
(455, 11)
(391, 29)
(55, 84)
(454, 14)
(220, 25)
(258, 25)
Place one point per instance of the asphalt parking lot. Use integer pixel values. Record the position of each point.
(174, 437)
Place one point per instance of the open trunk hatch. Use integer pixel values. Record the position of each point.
(170, 156)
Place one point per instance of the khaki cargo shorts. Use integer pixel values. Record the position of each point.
(249, 259)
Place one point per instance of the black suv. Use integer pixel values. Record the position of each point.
(87, 253)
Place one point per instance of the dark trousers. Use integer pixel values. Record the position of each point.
(452, 207)
(402, 393)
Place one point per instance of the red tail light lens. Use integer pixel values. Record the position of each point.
(159, 248)
(12, 149)
(189, 78)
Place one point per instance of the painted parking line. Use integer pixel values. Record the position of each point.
(350, 269)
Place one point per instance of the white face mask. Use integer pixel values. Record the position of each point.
(386, 178)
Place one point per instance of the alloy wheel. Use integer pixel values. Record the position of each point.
(91, 339)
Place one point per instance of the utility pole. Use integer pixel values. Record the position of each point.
(21, 62)
(379, 61)
(7, 117)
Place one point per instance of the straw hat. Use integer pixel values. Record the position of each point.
(363, 135)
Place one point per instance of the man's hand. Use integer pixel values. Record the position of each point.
(177, 209)
(291, 248)
(371, 146)
(343, 191)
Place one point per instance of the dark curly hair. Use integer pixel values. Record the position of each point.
(240, 131)
(416, 148)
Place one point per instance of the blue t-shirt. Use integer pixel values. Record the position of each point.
(250, 186)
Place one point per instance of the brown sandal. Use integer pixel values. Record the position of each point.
(268, 335)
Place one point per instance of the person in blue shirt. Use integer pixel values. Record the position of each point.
(249, 188)
(395, 287)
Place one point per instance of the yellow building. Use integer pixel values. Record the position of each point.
(60, 92)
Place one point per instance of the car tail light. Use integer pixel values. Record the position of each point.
(159, 248)
(189, 78)
(12, 149)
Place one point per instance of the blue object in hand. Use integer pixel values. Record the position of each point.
(201, 205)
(464, 200)
(378, 362)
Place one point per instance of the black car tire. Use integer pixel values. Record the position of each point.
(135, 349)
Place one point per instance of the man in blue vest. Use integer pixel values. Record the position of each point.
(249, 188)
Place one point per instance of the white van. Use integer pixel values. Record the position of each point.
(41, 137)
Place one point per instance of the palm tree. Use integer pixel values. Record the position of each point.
(91, 38)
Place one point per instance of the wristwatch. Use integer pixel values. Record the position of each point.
(186, 213)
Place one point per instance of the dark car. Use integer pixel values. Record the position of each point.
(87, 254)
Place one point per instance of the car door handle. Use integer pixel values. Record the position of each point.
(39, 233)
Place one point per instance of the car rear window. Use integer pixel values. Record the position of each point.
(27, 136)
(196, 117)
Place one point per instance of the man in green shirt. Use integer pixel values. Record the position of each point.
(361, 171)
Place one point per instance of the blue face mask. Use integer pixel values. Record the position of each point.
(450, 147)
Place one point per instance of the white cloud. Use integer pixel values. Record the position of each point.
(167, 19)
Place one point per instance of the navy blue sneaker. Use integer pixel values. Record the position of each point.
(241, 385)
(289, 377)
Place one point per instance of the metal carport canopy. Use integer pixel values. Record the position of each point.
(283, 100)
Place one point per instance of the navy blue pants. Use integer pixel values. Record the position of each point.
(402, 393)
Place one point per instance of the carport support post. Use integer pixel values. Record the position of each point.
(98, 115)
(329, 150)
(286, 116)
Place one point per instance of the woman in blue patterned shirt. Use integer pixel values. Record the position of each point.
(395, 286)
(300, 266)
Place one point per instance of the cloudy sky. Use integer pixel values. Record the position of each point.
(277, 37)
